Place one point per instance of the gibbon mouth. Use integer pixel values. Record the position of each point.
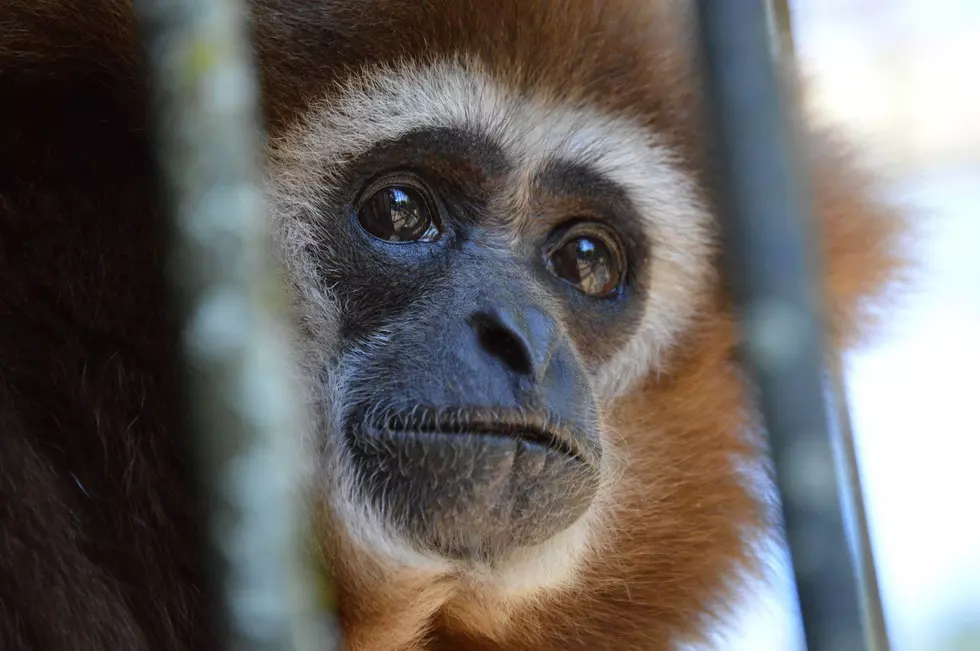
(510, 424)
(474, 483)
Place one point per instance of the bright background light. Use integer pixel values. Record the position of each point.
(904, 77)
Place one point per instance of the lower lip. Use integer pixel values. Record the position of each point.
(532, 440)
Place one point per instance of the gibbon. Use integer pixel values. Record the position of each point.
(529, 424)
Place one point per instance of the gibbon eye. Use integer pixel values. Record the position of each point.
(590, 260)
(398, 213)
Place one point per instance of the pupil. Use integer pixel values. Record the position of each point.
(406, 213)
(395, 214)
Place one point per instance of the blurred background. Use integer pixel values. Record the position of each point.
(903, 76)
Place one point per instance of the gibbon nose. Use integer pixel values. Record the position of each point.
(521, 338)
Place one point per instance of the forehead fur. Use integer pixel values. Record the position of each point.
(593, 50)
(533, 130)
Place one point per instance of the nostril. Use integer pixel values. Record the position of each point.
(502, 343)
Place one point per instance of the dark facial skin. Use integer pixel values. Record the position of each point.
(473, 426)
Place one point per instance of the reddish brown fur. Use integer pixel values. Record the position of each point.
(85, 386)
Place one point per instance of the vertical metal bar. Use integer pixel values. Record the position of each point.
(243, 405)
(781, 24)
(781, 19)
(767, 215)
(868, 571)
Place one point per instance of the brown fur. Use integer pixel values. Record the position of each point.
(97, 548)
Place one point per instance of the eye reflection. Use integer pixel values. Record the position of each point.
(588, 263)
(398, 213)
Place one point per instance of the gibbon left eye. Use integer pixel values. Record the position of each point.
(399, 214)
(591, 260)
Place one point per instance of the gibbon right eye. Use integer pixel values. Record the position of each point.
(398, 214)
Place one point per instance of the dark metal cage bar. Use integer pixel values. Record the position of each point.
(244, 407)
(767, 215)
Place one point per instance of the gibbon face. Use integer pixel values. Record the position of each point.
(485, 268)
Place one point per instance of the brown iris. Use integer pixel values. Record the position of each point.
(590, 260)
(399, 214)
